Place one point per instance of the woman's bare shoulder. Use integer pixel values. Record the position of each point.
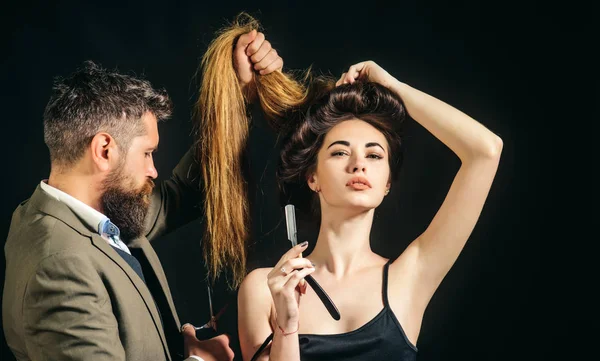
(255, 282)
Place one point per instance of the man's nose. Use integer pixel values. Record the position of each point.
(152, 172)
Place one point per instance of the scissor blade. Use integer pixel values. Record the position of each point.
(212, 314)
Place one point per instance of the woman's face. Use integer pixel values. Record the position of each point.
(352, 166)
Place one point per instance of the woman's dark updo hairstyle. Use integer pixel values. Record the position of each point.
(326, 107)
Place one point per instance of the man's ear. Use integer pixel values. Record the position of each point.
(104, 151)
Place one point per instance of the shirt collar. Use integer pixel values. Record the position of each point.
(87, 214)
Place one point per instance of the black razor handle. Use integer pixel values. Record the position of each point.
(333, 311)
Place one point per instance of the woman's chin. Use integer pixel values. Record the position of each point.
(363, 201)
(355, 204)
(361, 206)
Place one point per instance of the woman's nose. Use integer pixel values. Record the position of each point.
(357, 165)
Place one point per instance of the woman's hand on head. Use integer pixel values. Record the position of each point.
(286, 283)
(366, 71)
(253, 53)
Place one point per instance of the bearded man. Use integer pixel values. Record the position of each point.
(82, 281)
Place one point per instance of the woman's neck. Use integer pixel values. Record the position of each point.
(343, 243)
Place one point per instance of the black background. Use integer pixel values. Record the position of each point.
(518, 67)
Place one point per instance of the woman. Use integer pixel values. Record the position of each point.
(346, 151)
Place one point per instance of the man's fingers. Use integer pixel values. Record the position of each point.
(255, 44)
(246, 39)
(276, 65)
(269, 58)
(188, 331)
(225, 338)
(261, 52)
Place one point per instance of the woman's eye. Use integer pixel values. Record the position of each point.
(338, 153)
(374, 156)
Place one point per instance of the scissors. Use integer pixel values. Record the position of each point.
(212, 323)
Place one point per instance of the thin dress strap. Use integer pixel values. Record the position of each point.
(385, 304)
(384, 284)
(262, 347)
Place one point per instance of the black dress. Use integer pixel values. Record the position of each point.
(382, 338)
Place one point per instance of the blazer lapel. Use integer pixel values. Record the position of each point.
(143, 244)
(140, 286)
(49, 205)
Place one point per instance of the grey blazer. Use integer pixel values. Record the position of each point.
(68, 295)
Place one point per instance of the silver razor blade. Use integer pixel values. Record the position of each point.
(290, 221)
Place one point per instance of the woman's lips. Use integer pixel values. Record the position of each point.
(359, 186)
(358, 183)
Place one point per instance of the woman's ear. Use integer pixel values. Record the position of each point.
(313, 183)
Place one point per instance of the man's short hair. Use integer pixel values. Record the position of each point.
(92, 100)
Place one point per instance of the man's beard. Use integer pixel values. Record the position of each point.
(124, 205)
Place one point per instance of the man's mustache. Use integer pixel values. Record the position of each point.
(147, 187)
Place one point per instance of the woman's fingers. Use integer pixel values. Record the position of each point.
(294, 264)
(296, 277)
(340, 80)
(288, 283)
(355, 72)
(290, 272)
(349, 77)
(293, 252)
(279, 276)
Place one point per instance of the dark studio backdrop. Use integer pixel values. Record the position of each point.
(509, 65)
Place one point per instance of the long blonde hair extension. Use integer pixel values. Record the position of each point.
(223, 127)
